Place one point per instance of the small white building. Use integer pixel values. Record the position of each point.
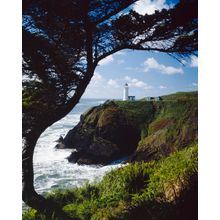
(158, 98)
(148, 98)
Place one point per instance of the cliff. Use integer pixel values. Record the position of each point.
(142, 130)
(175, 126)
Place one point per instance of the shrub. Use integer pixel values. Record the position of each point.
(154, 185)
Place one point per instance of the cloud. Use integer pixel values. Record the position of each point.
(149, 6)
(151, 63)
(195, 84)
(112, 83)
(96, 81)
(134, 69)
(162, 87)
(191, 62)
(120, 53)
(120, 62)
(133, 82)
(97, 77)
(194, 61)
(106, 60)
(184, 62)
(111, 58)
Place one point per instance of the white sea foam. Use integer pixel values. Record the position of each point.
(51, 169)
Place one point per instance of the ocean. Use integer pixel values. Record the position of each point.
(51, 168)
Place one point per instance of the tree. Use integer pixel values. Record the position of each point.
(63, 42)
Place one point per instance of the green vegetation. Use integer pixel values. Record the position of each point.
(141, 190)
(174, 126)
(181, 96)
(138, 111)
(135, 112)
(151, 116)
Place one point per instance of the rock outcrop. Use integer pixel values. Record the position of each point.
(104, 134)
(143, 130)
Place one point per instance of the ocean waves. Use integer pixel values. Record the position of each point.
(51, 169)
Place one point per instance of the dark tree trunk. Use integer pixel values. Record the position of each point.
(29, 195)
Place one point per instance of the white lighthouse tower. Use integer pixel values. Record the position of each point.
(125, 95)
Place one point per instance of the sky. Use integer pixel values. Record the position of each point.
(147, 73)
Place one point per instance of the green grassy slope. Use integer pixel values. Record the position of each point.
(166, 126)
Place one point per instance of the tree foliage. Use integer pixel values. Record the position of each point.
(63, 42)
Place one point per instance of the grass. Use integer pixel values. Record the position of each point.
(174, 126)
(152, 186)
(181, 96)
(139, 112)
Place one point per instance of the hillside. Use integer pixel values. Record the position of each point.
(162, 190)
(142, 130)
(175, 126)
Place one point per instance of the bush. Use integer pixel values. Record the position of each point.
(154, 185)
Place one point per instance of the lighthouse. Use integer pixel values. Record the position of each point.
(125, 95)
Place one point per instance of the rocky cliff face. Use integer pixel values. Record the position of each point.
(174, 127)
(141, 129)
(104, 133)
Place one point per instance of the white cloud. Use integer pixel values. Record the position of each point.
(194, 61)
(184, 62)
(111, 58)
(195, 84)
(128, 78)
(107, 60)
(134, 69)
(120, 62)
(151, 63)
(97, 77)
(112, 83)
(133, 82)
(162, 87)
(149, 6)
(120, 53)
(100, 87)
(96, 80)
